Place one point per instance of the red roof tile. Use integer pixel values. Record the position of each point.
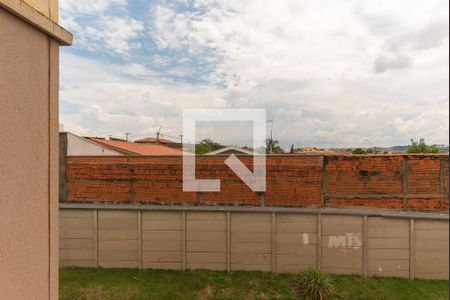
(137, 149)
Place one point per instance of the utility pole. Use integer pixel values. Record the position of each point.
(181, 140)
(158, 133)
(271, 136)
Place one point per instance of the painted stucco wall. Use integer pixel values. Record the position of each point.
(79, 146)
(48, 8)
(29, 161)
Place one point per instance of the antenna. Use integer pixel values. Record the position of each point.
(371, 145)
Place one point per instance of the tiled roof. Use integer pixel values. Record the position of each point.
(137, 149)
(231, 149)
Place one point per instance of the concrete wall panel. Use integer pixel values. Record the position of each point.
(342, 244)
(251, 238)
(277, 242)
(206, 240)
(388, 247)
(77, 243)
(296, 242)
(117, 239)
(431, 249)
(162, 240)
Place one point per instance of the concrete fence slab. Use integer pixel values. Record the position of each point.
(274, 240)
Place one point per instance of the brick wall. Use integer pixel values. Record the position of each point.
(411, 182)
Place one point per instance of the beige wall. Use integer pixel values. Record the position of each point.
(389, 247)
(162, 240)
(285, 242)
(341, 246)
(29, 161)
(296, 242)
(431, 249)
(117, 239)
(48, 8)
(78, 146)
(79, 243)
(251, 239)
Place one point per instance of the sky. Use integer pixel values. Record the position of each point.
(329, 73)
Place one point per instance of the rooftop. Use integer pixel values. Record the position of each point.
(129, 148)
(230, 149)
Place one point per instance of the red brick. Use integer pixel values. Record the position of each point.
(292, 181)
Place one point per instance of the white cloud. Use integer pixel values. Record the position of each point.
(97, 29)
(115, 103)
(424, 38)
(383, 63)
(252, 42)
(87, 7)
(310, 64)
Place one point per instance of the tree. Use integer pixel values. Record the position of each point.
(117, 139)
(359, 151)
(207, 145)
(292, 149)
(274, 146)
(422, 147)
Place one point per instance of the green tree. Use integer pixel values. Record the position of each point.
(207, 145)
(273, 145)
(117, 139)
(422, 147)
(292, 149)
(359, 151)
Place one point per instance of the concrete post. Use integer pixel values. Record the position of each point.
(228, 250)
(319, 242)
(274, 243)
(412, 256)
(183, 241)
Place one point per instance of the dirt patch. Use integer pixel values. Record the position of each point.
(205, 293)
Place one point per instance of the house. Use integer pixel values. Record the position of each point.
(314, 150)
(30, 37)
(129, 148)
(160, 141)
(309, 150)
(231, 150)
(73, 145)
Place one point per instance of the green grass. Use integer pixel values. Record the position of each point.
(83, 283)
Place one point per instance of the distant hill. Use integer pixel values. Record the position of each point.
(399, 148)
